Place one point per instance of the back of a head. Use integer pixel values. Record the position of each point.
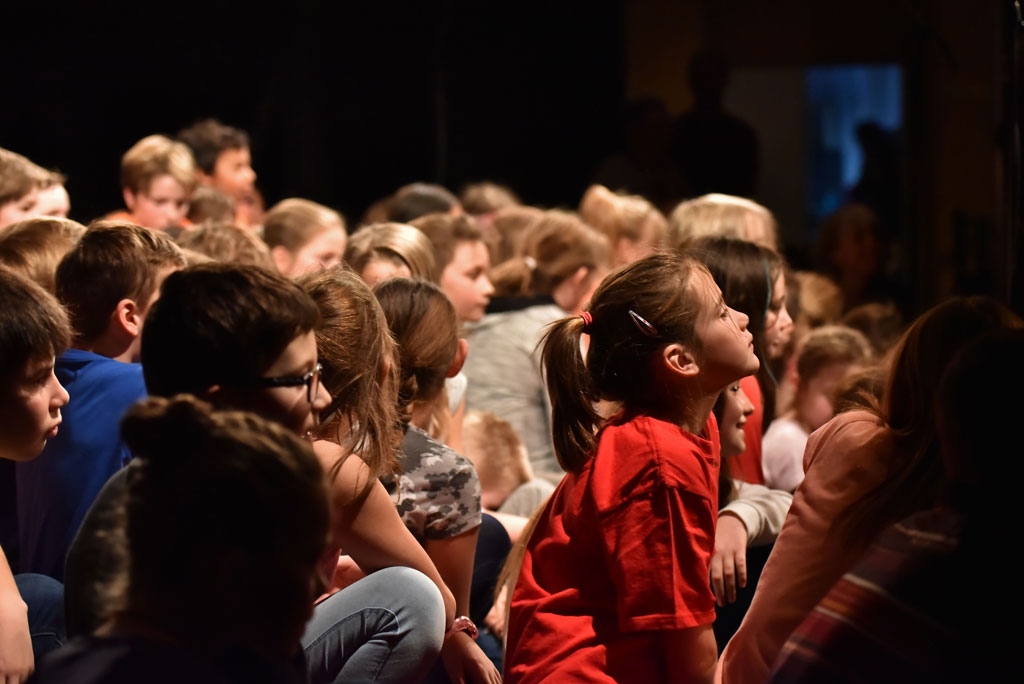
(222, 506)
(487, 197)
(507, 227)
(722, 215)
(155, 156)
(34, 247)
(360, 366)
(635, 312)
(445, 232)
(293, 222)
(974, 417)
(207, 138)
(397, 242)
(881, 322)
(852, 221)
(32, 325)
(821, 300)
(497, 452)
(623, 217)
(551, 249)
(226, 242)
(207, 203)
(111, 261)
(831, 344)
(424, 324)
(925, 349)
(220, 324)
(419, 199)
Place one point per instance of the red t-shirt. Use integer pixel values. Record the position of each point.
(746, 465)
(621, 552)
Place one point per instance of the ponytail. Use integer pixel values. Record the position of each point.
(574, 419)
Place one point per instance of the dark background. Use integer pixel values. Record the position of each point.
(347, 101)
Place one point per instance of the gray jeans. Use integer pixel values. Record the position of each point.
(386, 627)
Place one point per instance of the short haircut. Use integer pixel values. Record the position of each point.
(400, 243)
(419, 199)
(207, 203)
(32, 325)
(221, 324)
(19, 176)
(294, 222)
(485, 197)
(207, 138)
(35, 246)
(445, 232)
(226, 242)
(113, 260)
(155, 156)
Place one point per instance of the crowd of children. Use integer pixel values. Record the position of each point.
(463, 438)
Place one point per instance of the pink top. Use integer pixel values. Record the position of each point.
(845, 457)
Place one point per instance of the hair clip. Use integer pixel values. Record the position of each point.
(530, 262)
(641, 323)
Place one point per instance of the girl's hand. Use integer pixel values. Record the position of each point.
(495, 618)
(16, 659)
(729, 564)
(466, 663)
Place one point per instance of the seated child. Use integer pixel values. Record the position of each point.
(224, 162)
(379, 251)
(157, 177)
(234, 504)
(108, 281)
(21, 182)
(303, 236)
(226, 242)
(35, 246)
(824, 357)
(33, 329)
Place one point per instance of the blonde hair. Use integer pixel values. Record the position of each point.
(830, 344)
(497, 452)
(226, 242)
(723, 215)
(294, 222)
(397, 242)
(19, 176)
(155, 156)
(621, 216)
(34, 247)
(820, 299)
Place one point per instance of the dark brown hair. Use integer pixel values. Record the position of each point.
(33, 325)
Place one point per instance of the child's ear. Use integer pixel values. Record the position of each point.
(282, 258)
(680, 360)
(460, 358)
(129, 198)
(128, 317)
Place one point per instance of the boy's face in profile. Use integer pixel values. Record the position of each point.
(19, 209)
(233, 173)
(30, 410)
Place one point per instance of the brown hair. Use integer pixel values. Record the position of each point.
(506, 227)
(623, 217)
(208, 484)
(207, 203)
(446, 232)
(226, 242)
(497, 452)
(360, 368)
(830, 344)
(485, 197)
(208, 138)
(550, 249)
(617, 366)
(35, 246)
(155, 156)
(33, 324)
(294, 222)
(221, 324)
(419, 199)
(397, 242)
(426, 351)
(881, 322)
(113, 260)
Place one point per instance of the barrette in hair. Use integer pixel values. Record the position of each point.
(645, 327)
(530, 262)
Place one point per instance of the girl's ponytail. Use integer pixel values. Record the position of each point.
(574, 419)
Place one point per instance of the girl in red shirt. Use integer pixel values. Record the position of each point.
(613, 585)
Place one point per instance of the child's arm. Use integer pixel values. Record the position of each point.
(16, 659)
(691, 654)
(366, 523)
(454, 558)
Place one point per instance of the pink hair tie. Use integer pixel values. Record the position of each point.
(587, 321)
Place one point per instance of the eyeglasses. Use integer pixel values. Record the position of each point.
(311, 380)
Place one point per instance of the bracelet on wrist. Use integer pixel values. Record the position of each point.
(463, 624)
